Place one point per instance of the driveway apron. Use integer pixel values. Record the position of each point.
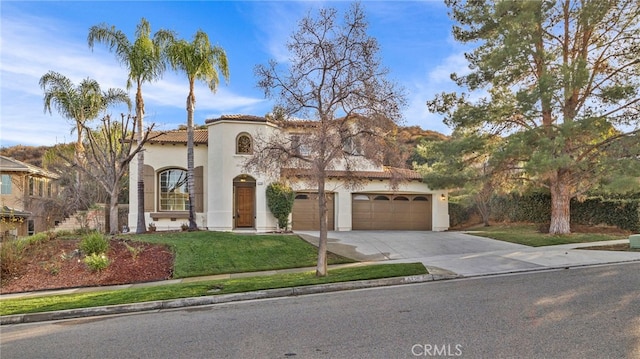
(462, 253)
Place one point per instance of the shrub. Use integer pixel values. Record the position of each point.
(94, 243)
(10, 256)
(64, 233)
(135, 251)
(96, 262)
(280, 199)
(39, 238)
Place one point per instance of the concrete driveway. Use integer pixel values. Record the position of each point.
(462, 253)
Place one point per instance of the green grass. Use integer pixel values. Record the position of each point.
(197, 289)
(529, 235)
(208, 253)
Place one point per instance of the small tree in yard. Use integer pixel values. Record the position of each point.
(335, 79)
(110, 150)
(280, 199)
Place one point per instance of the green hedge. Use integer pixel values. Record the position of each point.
(536, 208)
(622, 213)
(458, 214)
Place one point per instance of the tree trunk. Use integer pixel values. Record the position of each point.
(321, 269)
(560, 204)
(141, 226)
(483, 207)
(190, 178)
(113, 212)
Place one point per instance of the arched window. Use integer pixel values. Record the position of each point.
(174, 192)
(244, 144)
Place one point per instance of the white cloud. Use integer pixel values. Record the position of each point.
(28, 52)
(455, 63)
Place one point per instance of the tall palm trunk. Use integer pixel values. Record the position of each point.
(140, 224)
(191, 101)
(79, 157)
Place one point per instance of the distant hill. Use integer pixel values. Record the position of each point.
(412, 135)
(29, 154)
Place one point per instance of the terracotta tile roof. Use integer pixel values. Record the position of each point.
(386, 173)
(200, 137)
(246, 118)
(8, 164)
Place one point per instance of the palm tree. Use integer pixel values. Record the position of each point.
(200, 61)
(80, 103)
(144, 58)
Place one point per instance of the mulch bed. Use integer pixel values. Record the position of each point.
(57, 264)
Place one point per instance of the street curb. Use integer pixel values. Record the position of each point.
(218, 299)
(550, 268)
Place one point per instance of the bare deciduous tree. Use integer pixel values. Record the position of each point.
(110, 150)
(336, 80)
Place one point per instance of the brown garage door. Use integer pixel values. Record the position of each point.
(377, 211)
(305, 212)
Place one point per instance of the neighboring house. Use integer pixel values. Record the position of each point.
(25, 190)
(227, 198)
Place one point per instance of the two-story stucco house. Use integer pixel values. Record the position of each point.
(24, 190)
(227, 198)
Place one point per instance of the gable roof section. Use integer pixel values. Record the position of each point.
(8, 164)
(200, 137)
(386, 173)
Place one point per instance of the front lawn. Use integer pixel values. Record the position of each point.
(207, 253)
(529, 235)
(197, 289)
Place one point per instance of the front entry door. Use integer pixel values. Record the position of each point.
(244, 207)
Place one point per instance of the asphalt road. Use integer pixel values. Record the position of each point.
(577, 313)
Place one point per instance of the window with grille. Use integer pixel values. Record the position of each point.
(174, 192)
(243, 145)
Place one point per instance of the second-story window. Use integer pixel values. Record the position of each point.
(243, 144)
(299, 147)
(6, 184)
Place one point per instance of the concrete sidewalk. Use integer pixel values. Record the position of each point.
(465, 254)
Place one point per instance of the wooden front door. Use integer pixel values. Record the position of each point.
(244, 207)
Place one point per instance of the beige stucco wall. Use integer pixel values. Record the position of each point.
(221, 165)
(224, 165)
(161, 157)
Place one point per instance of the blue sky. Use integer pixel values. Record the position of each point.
(39, 36)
